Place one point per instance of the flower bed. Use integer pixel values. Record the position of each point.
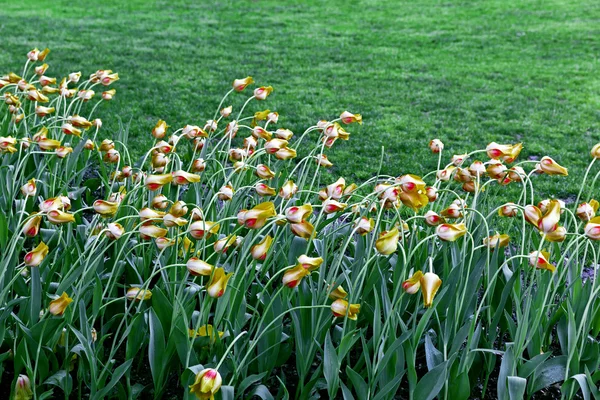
(221, 264)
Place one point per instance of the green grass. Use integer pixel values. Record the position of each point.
(466, 72)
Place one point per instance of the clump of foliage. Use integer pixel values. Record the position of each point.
(220, 266)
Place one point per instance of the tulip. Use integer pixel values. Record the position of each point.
(436, 145)
(259, 251)
(218, 283)
(592, 229)
(48, 144)
(32, 225)
(298, 213)
(264, 190)
(198, 165)
(262, 92)
(302, 229)
(288, 190)
(106, 208)
(42, 111)
(106, 145)
(450, 232)
(453, 211)
(147, 214)
(231, 129)
(171, 221)
(551, 167)
(152, 231)
(286, 154)
(181, 177)
(387, 243)
(163, 242)
(284, 134)
(226, 111)
(201, 229)
(29, 189)
(225, 193)
(274, 145)
(348, 118)
(445, 174)
(549, 222)
(458, 159)
(139, 294)
(35, 257)
(257, 217)
(240, 84)
(155, 182)
(107, 79)
(208, 381)
(160, 129)
(432, 218)
(207, 331)
(112, 156)
(496, 170)
(58, 217)
(507, 153)
(109, 94)
(23, 388)
(114, 230)
(331, 206)
(430, 283)
(413, 284)
(539, 259)
(58, 306)
(557, 235)
(223, 244)
(83, 95)
(310, 263)
(198, 267)
(342, 308)
(496, 241)
(586, 211)
(334, 190)
(509, 210)
(364, 225)
(337, 293)
(596, 151)
(293, 276)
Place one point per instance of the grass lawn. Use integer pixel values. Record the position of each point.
(467, 72)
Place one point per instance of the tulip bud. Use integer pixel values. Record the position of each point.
(551, 167)
(114, 230)
(112, 156)
(259, 251)
(430, 283)
(218, 283)
(264, 172)
(262, 92)
(288, 190)
(387, 243)
(592, 229)
(35, 257)
(337, 293)
(240, 84)
(201, 229)
(413, 284)
(587, 211)
(58, 306)
(207, 383)
(436, 145)
(106, 145)
(364, 225)
(432, 218)
(341, 308)
(596, 151)
(106, 208)
(198, 165)
(348, 118)
(58, 217)
(451, 232)
(302, 229)
(23, 388)
(29, 189)
(226, 112)
(139, 294)
(293, 276)
(152, 232)
(160, 129)
(225, 193)
(539, 259)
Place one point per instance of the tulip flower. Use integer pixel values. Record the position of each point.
(259, 251)
(587, 211)
(337, 293)
(509, 210)
(181, 177)
(549, 221)
(496, 170)
(208, 381)
(29, 189)
(114, 230)
(310, 263)
(106, 208)
(539, 259)
(496, 241)
(147, 214)
(436, 145)
(152, 232)
(264, 172)
(32, 226)
(413, 284)
(106, 145)
(35, 257)
(139, 294)
(450, 232)
(23, 388)
(218, 282)
(364, 225)
(293, 276)
(171, 221)
(551, 167)
(298, 213)
(58, 217)
(504, 152)
(155, 182)
(201, 229)
(334, 190)
(35, 95)
(284, 134)
(223, 244)
(387, 243)
(257, 217)
(264, 190)
(288, 190)
(163, 242)
(432, 218)
(42, 111)
(331, 206)
(302, 229)
(285, 153)
(197, 267)
(160, 129)
(58, 306)
(445, 174)
(532, 214)
(341, 308)
(592, 229)
(274, 145)
(348, 118)
(430, 283)
(62, 152)
(458, 159)
(198, 165)
(453, 211)
(557, 235)
(226, 192)
(596, 151)
(240, 84)
(262, 92)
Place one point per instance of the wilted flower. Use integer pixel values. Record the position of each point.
(58, 306)
(387, 243)
(430, 283)
(551, 167)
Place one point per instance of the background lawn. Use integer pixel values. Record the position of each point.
(467, 72)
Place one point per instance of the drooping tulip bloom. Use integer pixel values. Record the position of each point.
(35, 257)
(163, 242)
(364, 225)
(262, 92)
(587, 211)
(29, 189)
(288, 190)
(32, 226)
(106, 208)
(274, 145)
(182, 177)
(264, 172)
(310, 263)
(58, 306)
(430, 283)
(348, 118)
(451, 232)
(147, 214)
(152, 232)
(508, 210)
(323, 161)
(340, 308)
(285, 134)
(592, 229)
(207, 331)
(596, 151)
(285, 153)
(171, 221)
(293, 276)
(155, 182)
(337, 292)
(139, 294)
(539, 259)
(387, 243)
(436, 145)
(58, 217)
(551, 167)
(557, 235)
(444, 175)
(504, 152)
(62, 152)
(549, 221)
(413, 284)
(218, 282)
(432, 218)
(240, 84)
(260, 250)
(264, 190)
(458, 159)
(532, 214)
(257, 217)
(197, 267)
(222, 245)
(160, 129)
(453, 211)
(496, 241)
(226, 192)
(302, 229)
(207, 382)
(201, 229)
(298, 213)
(114, 230)
(333, 191)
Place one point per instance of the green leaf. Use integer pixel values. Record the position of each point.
(516, 387)
(156, 349)
(359, 384)
(331, 367)
(550, 372)
(116, 376)
(432, 382)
